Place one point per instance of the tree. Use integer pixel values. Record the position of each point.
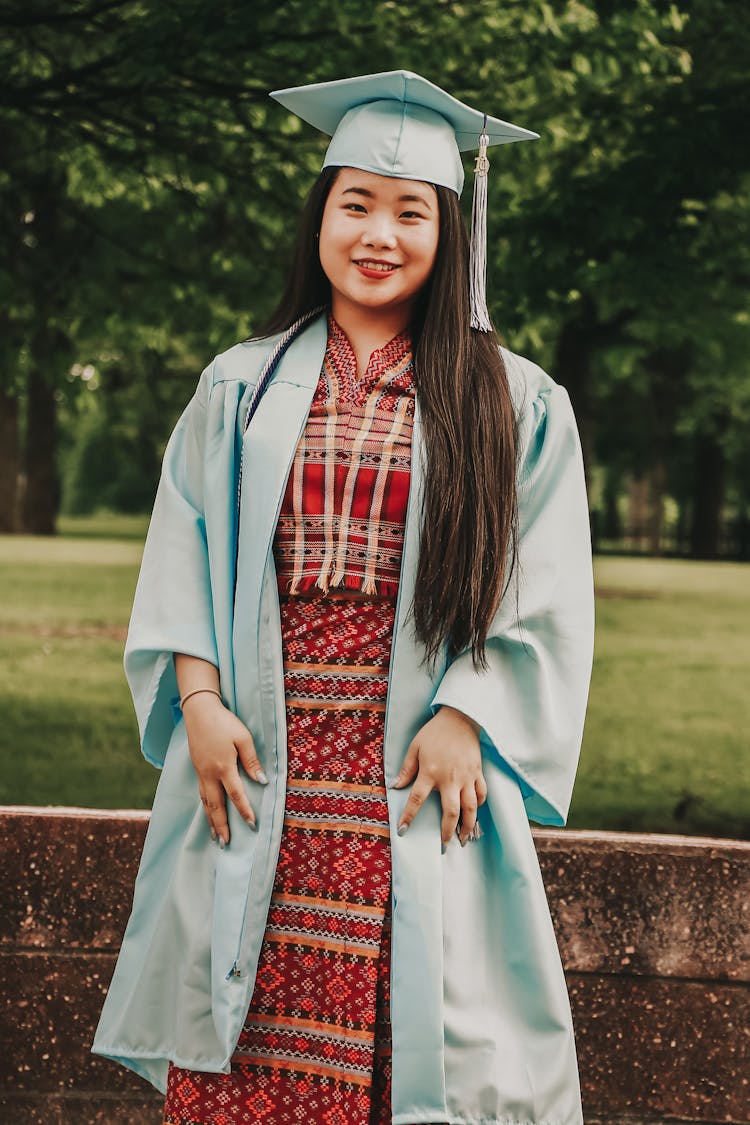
(627, 239)
(152, 192)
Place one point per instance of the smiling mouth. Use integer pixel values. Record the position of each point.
(371, 264)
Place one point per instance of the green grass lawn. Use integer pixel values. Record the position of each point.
(666, 747)
(68, 735)
(666, 743)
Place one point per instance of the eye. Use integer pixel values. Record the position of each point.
(411, 215)
(357, 207)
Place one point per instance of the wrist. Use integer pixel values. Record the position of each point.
(455, 713)
(198, 697)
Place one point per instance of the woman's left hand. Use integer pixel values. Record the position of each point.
(445, 755)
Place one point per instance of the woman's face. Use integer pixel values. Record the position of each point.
(378, 239)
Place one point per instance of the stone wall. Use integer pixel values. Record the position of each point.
(654, 933)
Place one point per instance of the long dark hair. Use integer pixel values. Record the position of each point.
(470, 516)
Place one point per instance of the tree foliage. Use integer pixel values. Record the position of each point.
(150, 190)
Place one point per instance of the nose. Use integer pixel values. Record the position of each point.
(379, 231)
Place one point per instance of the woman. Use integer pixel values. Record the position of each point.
(380, 640)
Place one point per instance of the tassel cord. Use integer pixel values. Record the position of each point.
(480, 317)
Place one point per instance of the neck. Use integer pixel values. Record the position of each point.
(368, 329)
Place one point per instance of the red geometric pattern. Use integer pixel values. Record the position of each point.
(316, 1043)
(341, 523)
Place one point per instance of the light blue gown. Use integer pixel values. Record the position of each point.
(482, 1031)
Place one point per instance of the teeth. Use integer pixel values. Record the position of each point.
(382, 266)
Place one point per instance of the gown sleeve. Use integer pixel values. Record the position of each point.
(172, 610)
(531, 701)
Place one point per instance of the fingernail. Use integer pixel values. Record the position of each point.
(401, 830)
(261, 777)
(251, 824)
(443, 848)
(462, 841)
(213, 835)
(222, 843)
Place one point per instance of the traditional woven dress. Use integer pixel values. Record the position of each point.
(315, 1047)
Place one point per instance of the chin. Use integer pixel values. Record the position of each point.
(376, 301)
(370, 297)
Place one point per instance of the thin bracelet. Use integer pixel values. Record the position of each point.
(195, 691)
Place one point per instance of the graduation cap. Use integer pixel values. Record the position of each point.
(399, 124)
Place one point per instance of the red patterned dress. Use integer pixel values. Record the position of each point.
(315, 1047)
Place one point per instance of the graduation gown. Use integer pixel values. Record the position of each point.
(481, 1022)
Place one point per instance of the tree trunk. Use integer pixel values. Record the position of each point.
(638, 510)
(683, 528)
(667, 369)
(42, 495)
(612, 529)
(657, 489)
(8, 462)
(708, 496)
(49, 346)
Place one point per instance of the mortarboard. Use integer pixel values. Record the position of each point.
(399, 124)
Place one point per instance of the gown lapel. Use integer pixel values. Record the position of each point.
(268, 449)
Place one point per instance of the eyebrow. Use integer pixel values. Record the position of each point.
(401, 199)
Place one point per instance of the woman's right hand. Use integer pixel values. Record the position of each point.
(216, 740)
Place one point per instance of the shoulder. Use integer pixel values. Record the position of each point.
(546, 421)
(243, 361)
(527, 380)
(534, 393)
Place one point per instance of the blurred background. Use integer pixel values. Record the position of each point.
(149, 195)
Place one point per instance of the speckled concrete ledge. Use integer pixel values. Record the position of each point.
(673, 906)
(654, 933)
(63, 1109)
